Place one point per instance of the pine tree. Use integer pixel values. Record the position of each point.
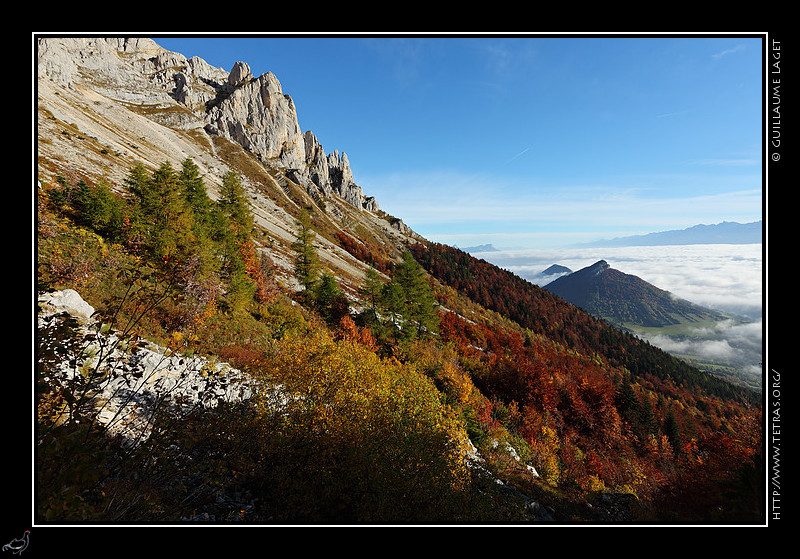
(306, 263)
(163, 217)
(233, 202)
(418, 303)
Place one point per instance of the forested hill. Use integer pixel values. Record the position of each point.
(546, 314)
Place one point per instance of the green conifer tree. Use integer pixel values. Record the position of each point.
(418, 305)
(194, 190)
(329, 301)
(393, 303)
(235, 207)
(98, 208)
(672, 431)
(306, 262)
(163, 217)
(370, 292)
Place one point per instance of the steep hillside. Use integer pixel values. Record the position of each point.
(104, 105)
(546, 314)
(389, 379)
(690, 332)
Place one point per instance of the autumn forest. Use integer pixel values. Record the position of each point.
(439, 355)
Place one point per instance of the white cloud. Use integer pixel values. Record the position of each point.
(723, 277)
(710, 349)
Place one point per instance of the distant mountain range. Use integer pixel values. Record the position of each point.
(626, 300)
(727, 232)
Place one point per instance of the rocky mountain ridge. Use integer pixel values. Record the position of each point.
(252, 112)
(108, 104)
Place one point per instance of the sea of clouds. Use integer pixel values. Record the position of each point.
(733, 343)
(724, 277)
(728, 278)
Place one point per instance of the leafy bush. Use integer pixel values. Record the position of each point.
(364, 439)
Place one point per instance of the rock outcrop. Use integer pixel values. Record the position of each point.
(130, 382)
(253, 112)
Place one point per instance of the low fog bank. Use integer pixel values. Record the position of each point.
(736, 344)
(723, 277)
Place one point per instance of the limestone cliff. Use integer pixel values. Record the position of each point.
(253, 112)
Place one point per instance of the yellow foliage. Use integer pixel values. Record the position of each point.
(377, 426)
(594, 483)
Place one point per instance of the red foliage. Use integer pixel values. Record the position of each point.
(365, 252)
(486, 418)
(349, 331)
(566, 375)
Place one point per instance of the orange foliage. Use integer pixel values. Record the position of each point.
(349, 331)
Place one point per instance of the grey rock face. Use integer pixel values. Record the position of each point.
(252, 112)
(240, 74)
(259, 117)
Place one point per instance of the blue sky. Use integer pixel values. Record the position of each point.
(529, 142)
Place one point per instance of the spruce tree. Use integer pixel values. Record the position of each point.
(137, 180)
(194, 190)
(163, 217)
(99, 208)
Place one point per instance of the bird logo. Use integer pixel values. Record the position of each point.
(18, 545)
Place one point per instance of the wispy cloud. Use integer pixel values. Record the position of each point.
(671, 115)
(523, 152)
(726, 52)
(455, 203)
